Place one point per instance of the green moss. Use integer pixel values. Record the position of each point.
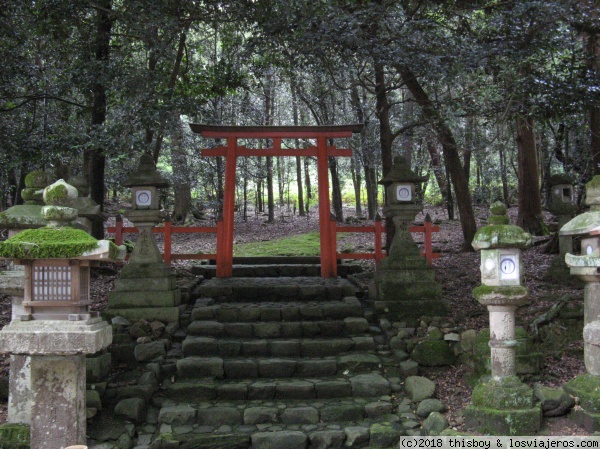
(587, 388)
(14, 436)
(32, 194)
(46, 243)
(296, 245)
(37, 179)
(501, 236)
(498, 220)
(57, 195)
(433, 353)
(21, 216)
(498, 209)
(505, 394)
(507, 290)
(594, 183)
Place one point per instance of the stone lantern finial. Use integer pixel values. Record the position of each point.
(59, 198)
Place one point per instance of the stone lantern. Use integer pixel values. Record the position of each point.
(406, 285)
(560, 203)
(586, 267)
(503, 405)
(88, 211)
(55, 328)
(146, 288)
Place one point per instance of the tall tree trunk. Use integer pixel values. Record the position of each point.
(307, 183)
(301, 211)
(438, 170)
(336, 191)
(446, 139)
(386, 137)
(356, 181)
(593, 57)
(530, 202)
(181, 175)
(97, 158)
(170, 89)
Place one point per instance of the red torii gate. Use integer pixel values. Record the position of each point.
(276, 133)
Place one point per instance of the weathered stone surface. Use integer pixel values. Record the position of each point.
(342, 412)
(327, 439)
(206, 328)
(358, 362)
(198, 367)
(240, 369)
(409, 368)
(133, 409)
(262, 390)
(177, 415)
(92, 399)
(433, 353)
(369, 385)
(435, 423)
(555, 401)
(333, 389)
(428, 406)
(147, 352)
(200, 346)
(300, 415)
(188, 391)
(217, 416)
(260, 415)
(380, 408)
(276, 368)
(386, 434)
(97, 367)
(105, 428)
(213, 441)
(316, 368)
(295, 389)
(419, 388)
(356, 436)
(279, 440)
(14, 436)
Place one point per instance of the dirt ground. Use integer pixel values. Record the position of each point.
(457, 270)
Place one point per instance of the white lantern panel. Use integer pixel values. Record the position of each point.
(403, 192)
(143, 198)
(589, 246)
(509, 267)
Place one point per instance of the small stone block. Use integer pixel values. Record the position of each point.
(240, 369)
(287, 439)
(333, 389)
(217, 416)
(300, 415)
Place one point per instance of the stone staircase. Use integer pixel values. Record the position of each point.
(288, 362)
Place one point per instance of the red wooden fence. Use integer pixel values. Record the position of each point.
(377, 229)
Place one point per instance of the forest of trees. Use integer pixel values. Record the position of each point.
(490, 97)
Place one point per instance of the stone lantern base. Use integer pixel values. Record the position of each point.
(504, 407)
(406, 285)
(586, 387)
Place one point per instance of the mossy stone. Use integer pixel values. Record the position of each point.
(59, 214)
(37, 179)
(32, 195)
(504, 422)
(498, 208)
(587, 388)
(501, 236)
(60, 194)
(46, 243)
(508, 393)
(498, 220)
(433, 353)
(14, 436)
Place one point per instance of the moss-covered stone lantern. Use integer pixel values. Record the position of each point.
(146, 288)
(502, 405)
(56, 328)
(586, 266)
(406, 285)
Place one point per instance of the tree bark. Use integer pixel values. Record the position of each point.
(97, 158)
(336, 191)
(444, 134)
(181, 175)
(530, 202)
(593, 54)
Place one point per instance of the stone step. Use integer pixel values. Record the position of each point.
(250, 289)
(373, 433)
(205, 309)
(276, 347)
(275, 268)
(274, 329)
(302, 388)
(197, 367)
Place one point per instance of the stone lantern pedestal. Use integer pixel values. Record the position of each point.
(502, 405)
(146, 288)
(406, 285)
(561, 205)
(54, 329)
(586, 267)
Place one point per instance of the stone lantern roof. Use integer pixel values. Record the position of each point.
(401, 172)
(26, 216)
(499, 233)
(587, 222)
(146, 174)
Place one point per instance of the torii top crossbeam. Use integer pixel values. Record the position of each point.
(232, 151)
